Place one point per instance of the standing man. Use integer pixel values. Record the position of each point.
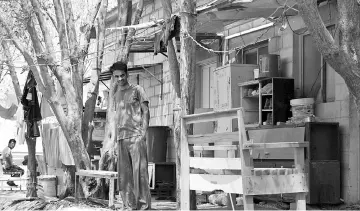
(9, 166)
(132, 118)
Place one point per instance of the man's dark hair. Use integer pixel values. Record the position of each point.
(118, 66)
(12, 140)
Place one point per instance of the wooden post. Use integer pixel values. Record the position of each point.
(246, 161)
(111, 192)
(299, 166)
(185, 169)
(187, 67)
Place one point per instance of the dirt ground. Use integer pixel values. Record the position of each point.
(15, 200)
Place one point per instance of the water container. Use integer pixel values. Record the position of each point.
(269, 65)
(156, 139)
(49, 186)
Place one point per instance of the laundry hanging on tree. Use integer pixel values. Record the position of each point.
(31, 107)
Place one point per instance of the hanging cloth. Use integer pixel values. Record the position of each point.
(31, 107)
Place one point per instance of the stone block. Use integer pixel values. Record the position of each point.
(152, 121)
(166, 87)
(157, 89)
(341, 92)
(170, 108)
(161, 13)
(328, 110)
(154, 101)
(287, 40)
(146, 83)
(234, 30)
(170, 120)
(150, 92)
(286, 55)
(245, 26)
(157, 4)
(154, 82)
(344, 125)
(344, 105)
(344, 141)
(338, 79)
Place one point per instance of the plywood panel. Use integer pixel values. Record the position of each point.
(276, 184)
(215, 163)
(206, 182)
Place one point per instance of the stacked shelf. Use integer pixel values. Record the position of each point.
(266, 101)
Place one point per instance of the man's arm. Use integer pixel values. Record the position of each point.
(145, 117)
(7, 158)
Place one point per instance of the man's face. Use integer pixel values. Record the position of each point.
(12, 145)
(121, 77)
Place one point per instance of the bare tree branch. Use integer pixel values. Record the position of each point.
(53, 21)
(70, 28)
(50, 54)
(26, 54)
(12, 71)
(88, 25)
(30, 26)
(62, 31)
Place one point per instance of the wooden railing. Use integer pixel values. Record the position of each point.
(236, 174)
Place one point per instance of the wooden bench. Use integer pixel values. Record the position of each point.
(237, 175)
(111, 175)
(6, 176)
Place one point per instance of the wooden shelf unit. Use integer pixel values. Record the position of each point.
(279, 110)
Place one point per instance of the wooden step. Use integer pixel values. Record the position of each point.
(276, 145)
(218, 147)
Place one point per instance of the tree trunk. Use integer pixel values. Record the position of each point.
(69, 181)
(187, 65)
(32, 184)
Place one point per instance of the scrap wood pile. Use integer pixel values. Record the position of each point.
(41, 204)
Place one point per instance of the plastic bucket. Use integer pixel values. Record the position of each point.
(302, 108)
(48, 184)
(156, 139)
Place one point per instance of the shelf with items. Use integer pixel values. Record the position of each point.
(270, 96)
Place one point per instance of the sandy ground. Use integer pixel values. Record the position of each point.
(14, 200)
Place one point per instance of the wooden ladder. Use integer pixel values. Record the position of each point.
(237, 175)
